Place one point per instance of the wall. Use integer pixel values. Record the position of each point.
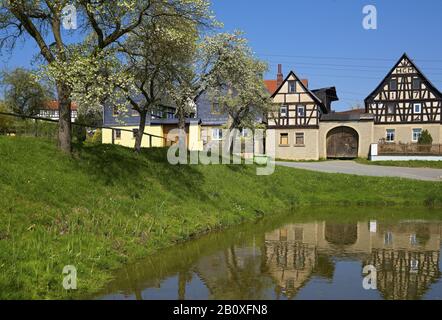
(404, 132)
(309, 151)
(127, 139)
(363, 128)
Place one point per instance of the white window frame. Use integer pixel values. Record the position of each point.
(219, 135)
(389, 131)
(285, 113)
(412, 134)
(298, 108)
(414, 108)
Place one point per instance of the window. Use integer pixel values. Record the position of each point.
(117, 134)
(284, 139)
(299, 234)
(283, 111)
(135, 132)
(244, 133)
(135, 113)
(292, 86)
(391, 134)
(416, 134)
(414, 266)
(417, 108)
(416, 83)
(388, 238)
(391, 108)
(413, 240)
(216, 109)
(217, 134)
(301, 111)
(393, 84)
(299, 138)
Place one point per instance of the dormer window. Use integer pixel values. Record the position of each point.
(292, 86)
(416, 84)
(393, 84)
(283, 111)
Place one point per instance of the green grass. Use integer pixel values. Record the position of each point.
(409, 164)
(107, 206)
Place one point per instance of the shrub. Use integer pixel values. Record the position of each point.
(425, 138)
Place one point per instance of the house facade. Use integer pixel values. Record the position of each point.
(50, 111)
(121, 128)
(302, 125)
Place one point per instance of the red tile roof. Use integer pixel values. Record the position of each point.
(272, 85)
(53, 105)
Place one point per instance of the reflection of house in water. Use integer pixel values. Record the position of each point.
(234, 273)
(406, 255)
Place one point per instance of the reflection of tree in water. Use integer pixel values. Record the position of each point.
(341, 234)
(405, 275)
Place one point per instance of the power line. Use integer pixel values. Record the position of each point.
(349, 66)
(351, 69)
(343, 58)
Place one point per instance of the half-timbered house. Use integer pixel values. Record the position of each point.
(404, 104)
(293, 124)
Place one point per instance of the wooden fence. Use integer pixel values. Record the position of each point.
(410, 149)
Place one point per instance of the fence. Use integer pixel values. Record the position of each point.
(12, 124)
(411, 149)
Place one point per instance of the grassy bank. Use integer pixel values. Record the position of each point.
(107, 206)
(409, 164)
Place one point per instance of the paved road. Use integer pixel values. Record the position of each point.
(351, 167)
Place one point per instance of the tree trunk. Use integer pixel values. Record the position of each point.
(139, 137)
(64, 122)
(181, 119)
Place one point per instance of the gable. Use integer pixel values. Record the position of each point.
(404, 71)
(301, 94)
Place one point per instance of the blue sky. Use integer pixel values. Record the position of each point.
(324, 41)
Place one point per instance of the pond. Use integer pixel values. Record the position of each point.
(309, 254)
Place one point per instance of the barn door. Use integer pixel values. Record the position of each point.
(342, 142)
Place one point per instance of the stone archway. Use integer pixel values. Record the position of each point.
(342, 143)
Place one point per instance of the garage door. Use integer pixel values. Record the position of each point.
(342, 143)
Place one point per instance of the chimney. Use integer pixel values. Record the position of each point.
(279, 76)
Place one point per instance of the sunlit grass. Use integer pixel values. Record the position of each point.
(107, 206)
(409, 164)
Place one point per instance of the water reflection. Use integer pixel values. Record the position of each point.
(314, 260)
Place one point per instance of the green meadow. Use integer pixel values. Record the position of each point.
(106, 206)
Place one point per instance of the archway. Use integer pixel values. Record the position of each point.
(341, 234)
(342, 143)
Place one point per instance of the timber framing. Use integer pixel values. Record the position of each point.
(405, 96)
(295, 106)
